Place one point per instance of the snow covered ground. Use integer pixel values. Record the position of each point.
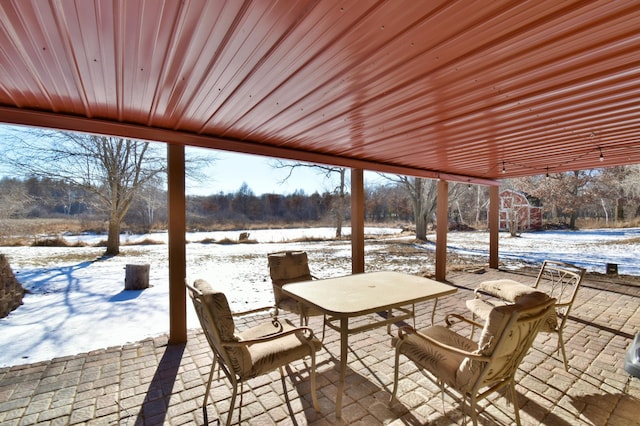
(77, 302)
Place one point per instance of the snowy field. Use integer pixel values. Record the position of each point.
(77, 303)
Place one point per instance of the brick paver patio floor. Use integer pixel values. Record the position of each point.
(152, 383)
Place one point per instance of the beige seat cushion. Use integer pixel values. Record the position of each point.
(259, 358)
(441, 363)
(508, 290)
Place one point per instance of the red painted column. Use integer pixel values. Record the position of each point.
(442, 228)
(494, 209)
(177, 244)
(357, 221)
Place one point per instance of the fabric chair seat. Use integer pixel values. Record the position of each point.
(440, 363)
(258, 358)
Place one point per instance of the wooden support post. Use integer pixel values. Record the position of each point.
(357, 221)
(177, 244)
(442, 228)
(494, 211)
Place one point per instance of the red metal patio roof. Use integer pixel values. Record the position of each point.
(468, 90)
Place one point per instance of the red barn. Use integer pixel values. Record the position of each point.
(515, 208)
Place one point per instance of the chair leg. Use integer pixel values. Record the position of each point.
(206, 392)
(441, 383)
(473, 409)
(234, 393)
(395, 377)
(314, 395)
(561, 347)
(514, 401)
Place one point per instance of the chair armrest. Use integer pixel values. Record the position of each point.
(478, 293)
(273, 336)
(253, 311)
(410, 330)
(461, 319)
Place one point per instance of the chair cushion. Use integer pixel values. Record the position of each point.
(441, 363)
(498, 316)
(481, 308)
(288, 267)
(219, 308)
(493, 327)
(550, 323)
(259, 358)
(506, 289)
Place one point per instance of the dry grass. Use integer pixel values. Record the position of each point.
(56, 242)
(225, 241)
(145, 242)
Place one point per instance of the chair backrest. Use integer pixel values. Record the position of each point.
(506, 337)
(561, 281)
(287, 267)
(217, 322)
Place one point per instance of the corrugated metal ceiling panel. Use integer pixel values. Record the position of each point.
(465, 88)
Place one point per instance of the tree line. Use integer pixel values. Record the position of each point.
(36, 197)
(610, 196)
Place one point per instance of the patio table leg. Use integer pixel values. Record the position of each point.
(433, 313)
(344, 336)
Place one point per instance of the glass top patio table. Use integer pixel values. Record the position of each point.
(355, 295)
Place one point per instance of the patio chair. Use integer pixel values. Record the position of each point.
(558, 280)
(258, 350)
(289, 267)
(475, 369)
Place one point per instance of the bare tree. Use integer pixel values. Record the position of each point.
(424, 199)
(631, 188)
(150, 199)
(112, 168)
(14, 198)
(424, 196)
(338, 208)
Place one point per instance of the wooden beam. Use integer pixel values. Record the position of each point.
(177, 244)
(494, 212)
(61, 121)
(442, 228)
(357, 221)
